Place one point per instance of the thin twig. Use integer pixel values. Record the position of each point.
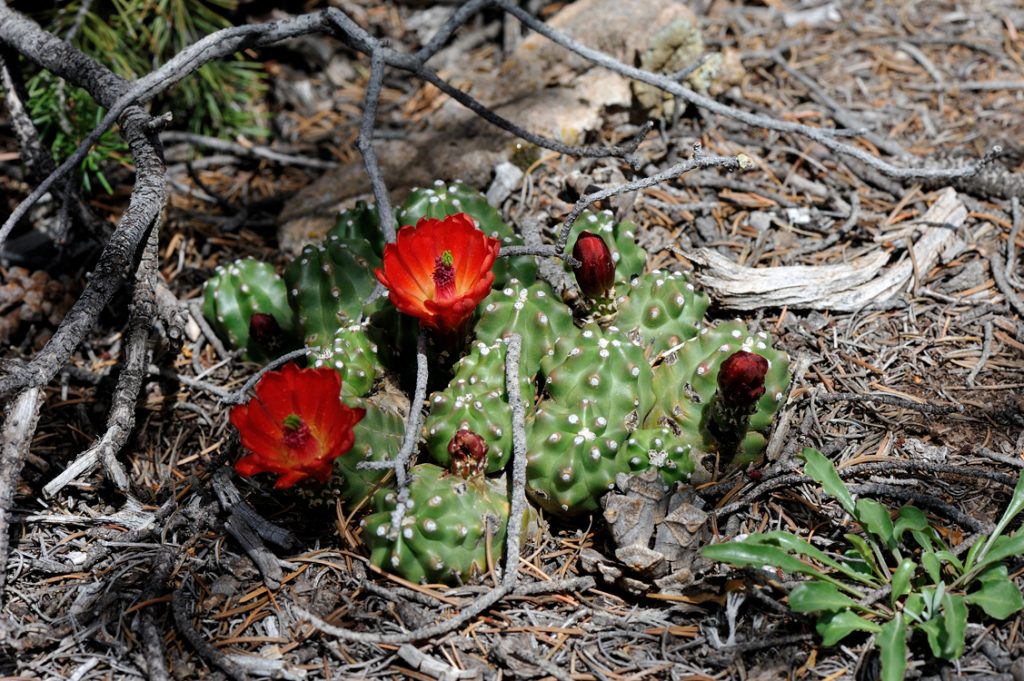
(699, 160)
(250, 151)
(518, 503)
(365, 144)
(242, 394)
(999, 274)
(894, 400)
(182, 620)
(986, 352)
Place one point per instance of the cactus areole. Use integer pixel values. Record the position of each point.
(296, 425)
(596, 272)
(439, 270)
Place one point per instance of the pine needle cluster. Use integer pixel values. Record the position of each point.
(134, 37)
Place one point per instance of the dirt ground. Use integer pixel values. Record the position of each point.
(932, 374)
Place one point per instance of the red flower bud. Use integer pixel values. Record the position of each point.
(264, 329)
(596, 273)
(741, 378)
(469, 453)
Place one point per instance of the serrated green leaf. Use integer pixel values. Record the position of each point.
(901, 580)
(866, 553)
(833, 627)
(824, 473)
(875, 518)
(998, 596)
(910, 518)
(932, 566)
(793, 544)
(741, 553)
(818, 597)
(892, 643)
(946, 631)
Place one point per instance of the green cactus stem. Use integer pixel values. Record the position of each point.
(237, 291)
(359, 229)
(353, 355)
(686, 383)
(328, 285)
(660, 310)
(476, 400)
(534, 312)
(574, 454)
(452, 531)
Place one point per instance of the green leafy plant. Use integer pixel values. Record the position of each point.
(134, 37)
(929, 587)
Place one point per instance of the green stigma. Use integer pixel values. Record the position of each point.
(292, 422)
(447, 259)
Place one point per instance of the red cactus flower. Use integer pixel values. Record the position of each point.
(439, 270)
(741, 378)
(296, 426)
(596, 273)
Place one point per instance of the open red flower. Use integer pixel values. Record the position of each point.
(296, 426)
(439, 270)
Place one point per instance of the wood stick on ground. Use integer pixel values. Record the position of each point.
(19, 425)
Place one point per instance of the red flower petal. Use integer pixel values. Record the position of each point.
(409, 266)
(294, 454)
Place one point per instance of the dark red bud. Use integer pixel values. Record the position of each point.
(264, 329)
(596, 273)
(741, 378)
(469, 453)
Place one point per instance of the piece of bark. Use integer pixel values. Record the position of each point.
(843, 287)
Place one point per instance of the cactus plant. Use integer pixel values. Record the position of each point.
(475, 399)
(327, 284)
(353, 355)
(660, 310)
(448, 198)
(620, 238)
(359, 228)
(658, 447)
(686, 384)
(531, 311)
(574, 454)
(378, 437)
(602, 366)
(450, 528)
(238, 290)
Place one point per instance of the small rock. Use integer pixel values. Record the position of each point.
(506, 178)
(921, 451)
